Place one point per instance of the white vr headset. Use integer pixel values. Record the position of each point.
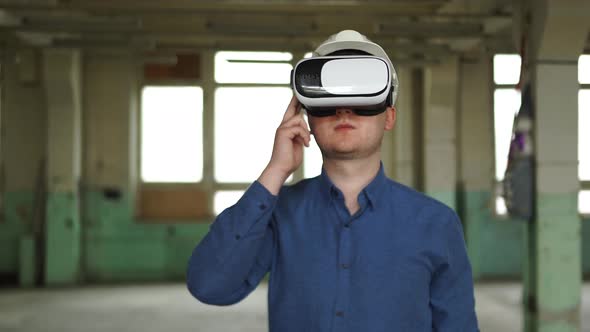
(362, 83)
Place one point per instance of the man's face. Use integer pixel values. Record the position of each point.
(346, 136)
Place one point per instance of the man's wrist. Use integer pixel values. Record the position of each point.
(272, 179)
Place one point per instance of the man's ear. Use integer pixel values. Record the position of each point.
(390, 117)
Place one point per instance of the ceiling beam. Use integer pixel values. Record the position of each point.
(243, 28)
(235, 6)
(403, 27)
(229, 42)
(431, 29)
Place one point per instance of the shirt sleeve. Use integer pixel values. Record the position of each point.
(452, 296)
(237, 251)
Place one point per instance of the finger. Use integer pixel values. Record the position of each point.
(296, 120)
(300, 140)
(292, 132)
(304, 139)
(292, 109)
(302, 126)
(307, 136)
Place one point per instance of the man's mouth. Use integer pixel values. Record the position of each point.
(344, 126)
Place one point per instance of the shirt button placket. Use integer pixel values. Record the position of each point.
(345, 247)
(344, 255)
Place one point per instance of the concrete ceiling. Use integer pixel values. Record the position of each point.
(410, 30)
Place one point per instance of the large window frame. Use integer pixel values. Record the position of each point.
(236, 187)
(183, 192)
(498, 200)
(208, 185)
(499, 206)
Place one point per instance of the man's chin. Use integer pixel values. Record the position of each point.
(341, 154)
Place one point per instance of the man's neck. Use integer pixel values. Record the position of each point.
(352, 176)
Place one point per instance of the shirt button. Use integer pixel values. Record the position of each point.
(262, 206)
(347, 225)
(238, 237)
(344, 266)
(339, 313)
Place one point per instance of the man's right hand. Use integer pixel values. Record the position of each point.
(287, 152)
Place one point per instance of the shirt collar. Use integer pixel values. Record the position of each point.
(372, 191)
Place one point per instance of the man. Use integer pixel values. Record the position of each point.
(349, 250)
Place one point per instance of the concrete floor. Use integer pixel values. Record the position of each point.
(170, 308)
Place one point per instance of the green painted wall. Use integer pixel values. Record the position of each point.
(18, 207)
(119, 248)
(449, 198)
(63, 239)
(555, 279)
(495, 246)
(586, 247)
(26, 261)
(114, 247)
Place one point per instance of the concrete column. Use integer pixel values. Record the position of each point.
(110, 106)
(62, 86)
(476, 164)
(557, 36)
(440, 110)
(402, 136)
(23, 149)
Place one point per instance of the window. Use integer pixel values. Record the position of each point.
(246, 119)
(172, 116)
(506, 69)
(253, 67)
(506, 106)
(584, 202)
(252, 93)
(225, 199)
(312, 160)
(584, 134)
(584, 69)
(312, 156)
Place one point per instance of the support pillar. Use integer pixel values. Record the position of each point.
(62, 85)
(476, 166)
(404, 168)
(440, 111)
(552, 288)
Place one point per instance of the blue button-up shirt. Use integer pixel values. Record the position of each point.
(398, 264)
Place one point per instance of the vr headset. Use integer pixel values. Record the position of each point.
(361, 83)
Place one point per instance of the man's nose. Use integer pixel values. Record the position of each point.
(343, 111)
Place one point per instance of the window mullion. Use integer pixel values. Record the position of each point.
(208, 120)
